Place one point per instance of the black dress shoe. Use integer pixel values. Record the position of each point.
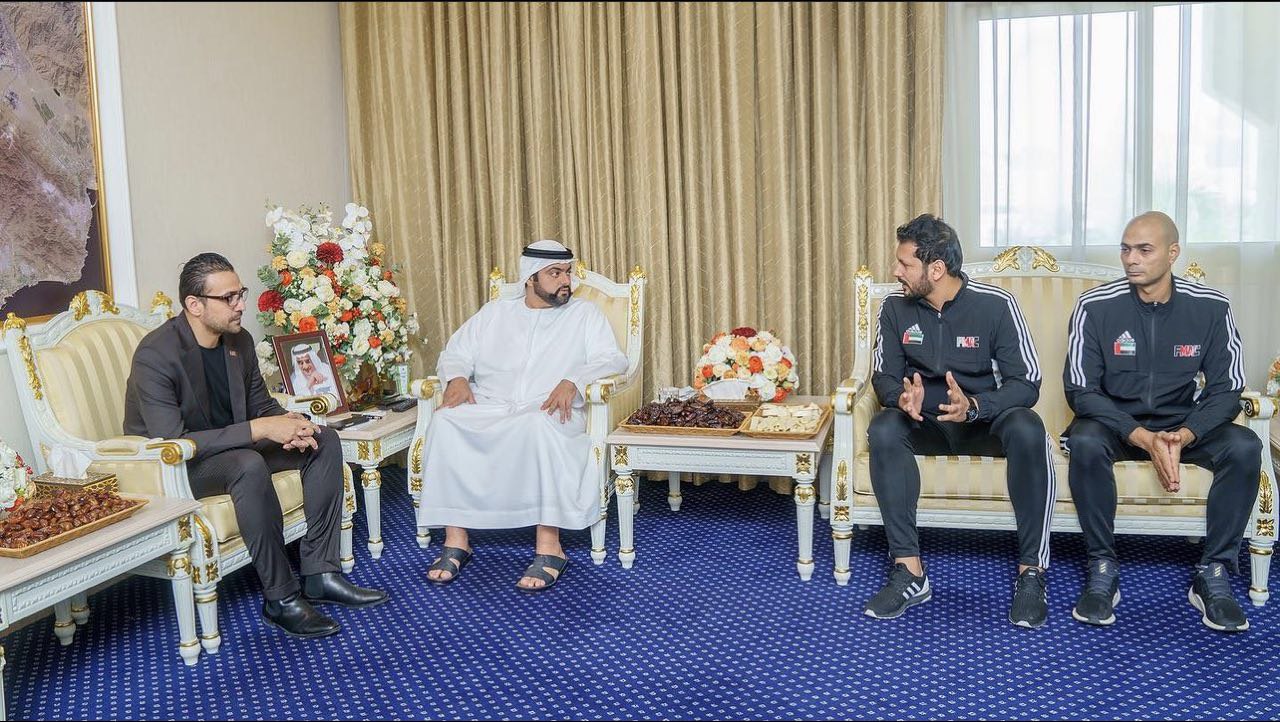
(297, 618)
(332, 587)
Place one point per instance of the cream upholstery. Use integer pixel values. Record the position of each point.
(971, 491)
(71, 376)
(609, 401)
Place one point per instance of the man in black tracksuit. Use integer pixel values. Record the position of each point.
(1135, 347)
(941, 344)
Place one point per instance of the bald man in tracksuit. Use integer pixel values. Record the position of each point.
(942, 341)
(1134, 348)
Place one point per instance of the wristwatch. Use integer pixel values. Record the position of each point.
(972, 414)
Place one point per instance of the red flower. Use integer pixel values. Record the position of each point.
(270, 301)
(755, 365)
(339, 359)
(347, 316)
(307, 324)
(374, 342)
(329, 252)
(745, 332)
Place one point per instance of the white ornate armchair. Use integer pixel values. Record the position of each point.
(609, 400)
(71, 373)
(969, 492)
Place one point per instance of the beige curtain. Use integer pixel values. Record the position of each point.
(749, 156)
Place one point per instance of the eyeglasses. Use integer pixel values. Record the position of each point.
(231, 299)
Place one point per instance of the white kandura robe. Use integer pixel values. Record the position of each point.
(503, 462)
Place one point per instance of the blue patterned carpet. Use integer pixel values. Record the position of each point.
(712, 622)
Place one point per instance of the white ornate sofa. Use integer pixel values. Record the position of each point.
(609, 400)
(71, 373)
(969, 492)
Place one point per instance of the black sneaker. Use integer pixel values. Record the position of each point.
(1097, 603)
(903, 590)
(1210, 593)
(1030, 600)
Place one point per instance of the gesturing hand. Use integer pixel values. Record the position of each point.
(912, 399)
(957, 406)
(1165, 450)
(458, 392)
(561, 399)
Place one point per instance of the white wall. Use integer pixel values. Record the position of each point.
(225, 107)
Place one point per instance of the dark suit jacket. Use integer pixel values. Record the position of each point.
(168, 397)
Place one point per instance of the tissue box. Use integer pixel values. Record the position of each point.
(47, 483)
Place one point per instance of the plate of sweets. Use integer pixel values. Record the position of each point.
(691, 417)
(787, 421)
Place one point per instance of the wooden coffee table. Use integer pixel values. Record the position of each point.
(161, 528)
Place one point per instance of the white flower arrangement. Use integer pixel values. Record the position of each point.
(333, 279)
(757, 358)
(15, 478)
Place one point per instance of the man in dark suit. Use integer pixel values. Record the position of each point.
(197, 377)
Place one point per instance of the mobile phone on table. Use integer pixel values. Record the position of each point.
(352, 420)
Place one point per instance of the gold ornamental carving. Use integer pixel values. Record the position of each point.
(496, 279)
(582, 271)
(369, 450)
(623, 485)
(206, 536)
(863, 279)
(79, 306)
(170, 451)
(211, 572)
(178, 565)
(637, 273)
(15, 321)
(840, 513)
(371, 479)
(1266, 527)
(620, 456)
(184, 529)
(161, 301)
(106, 304)
(635, 309)
(842, 481)
(1265, 500)
(597, 450)
(196, 576)
(415, 456)
(804, 464)
(804, 493)
(29, 360)
(1007, 259)
(1195, 273)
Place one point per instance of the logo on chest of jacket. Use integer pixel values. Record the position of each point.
(1125, 345)
(913, 335)
(1186, 350)
(966, 342)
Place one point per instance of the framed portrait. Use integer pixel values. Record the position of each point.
(306, 366)
(53, 225)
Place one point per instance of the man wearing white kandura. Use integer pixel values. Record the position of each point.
(509, 446)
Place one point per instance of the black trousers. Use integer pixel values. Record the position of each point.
(245, 474)
(1231, 452)
(1017, 435)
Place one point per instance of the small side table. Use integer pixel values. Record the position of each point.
(368, 445)
(739, 454)
(54, 576)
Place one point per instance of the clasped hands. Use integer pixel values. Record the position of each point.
(1165, 449)
(293, 431)
(560, 401)
(912, 400)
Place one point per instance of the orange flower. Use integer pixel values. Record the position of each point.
(286, 278)
(339, 359)
(780, 395)
(347, 316)
(706, 372)
(739, 344)
(785, 362)
(755, 365)
(374, 342)
(307, 324)
(378, 315)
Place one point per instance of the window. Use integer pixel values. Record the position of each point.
(1067, 119)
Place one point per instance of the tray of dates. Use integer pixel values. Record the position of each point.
(59, 517)
(685, 418)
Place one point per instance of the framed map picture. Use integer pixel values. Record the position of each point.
(53, 226)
